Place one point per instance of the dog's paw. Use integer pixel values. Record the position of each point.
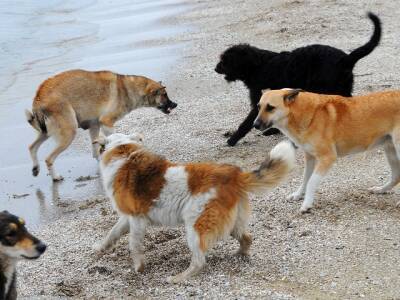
(35, 171)
(228, 133)
(58, 178)
(174, 279)
(378, 190)
(305, 208)
(139, 266)
(295, 196)
(98, 247)
(232, 141)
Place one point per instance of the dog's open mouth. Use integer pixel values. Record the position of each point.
(167, 106)
(31, 257)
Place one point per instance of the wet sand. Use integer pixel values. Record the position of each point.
(47, 37)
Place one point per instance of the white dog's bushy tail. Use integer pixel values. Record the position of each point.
(273, 170)
(36, 120)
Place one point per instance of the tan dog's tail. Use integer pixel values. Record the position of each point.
(37, 120)
(273, 170)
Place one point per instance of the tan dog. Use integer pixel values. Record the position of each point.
(88, 100)
(328, 126)
(210, 199)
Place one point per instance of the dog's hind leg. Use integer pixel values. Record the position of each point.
(33, 149)
(137, 231)
(198, 256)
(94, 131)
(64, 132)
(119, 229)
(309, 164)
(392, 156)
(239, 231)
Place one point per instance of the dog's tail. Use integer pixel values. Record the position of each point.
(273, 170)
(37, 119)
(351, 59)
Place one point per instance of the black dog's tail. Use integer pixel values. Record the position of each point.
(351, 59)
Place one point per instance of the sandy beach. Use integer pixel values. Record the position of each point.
(347, 248)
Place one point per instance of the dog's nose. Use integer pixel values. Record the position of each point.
(41, 247)
(173, 104)
(257, 124)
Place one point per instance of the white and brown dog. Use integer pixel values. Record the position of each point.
(329, 126)
(210, 199)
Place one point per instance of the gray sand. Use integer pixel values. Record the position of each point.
(348, 247)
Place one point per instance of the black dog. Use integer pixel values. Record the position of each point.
(315, 68)
(15, 243)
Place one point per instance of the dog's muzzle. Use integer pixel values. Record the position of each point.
(260, 125)
(218, 69)
(167, 106)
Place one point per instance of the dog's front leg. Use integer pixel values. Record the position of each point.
(107, 124)
(119, 229)
(309, 164)
(107, 130)
(244, 128)
(321, 169)
(137, 228)
(94, 131)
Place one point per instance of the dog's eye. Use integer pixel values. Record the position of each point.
(269, 108)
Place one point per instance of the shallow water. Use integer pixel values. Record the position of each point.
(41, 38)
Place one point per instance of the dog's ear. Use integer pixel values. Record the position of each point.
(154, 88)
(136, 137)
(291, 95)
(265, 90)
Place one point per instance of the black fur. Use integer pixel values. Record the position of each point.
(315, 68)
(11, 294)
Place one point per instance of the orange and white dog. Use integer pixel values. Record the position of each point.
(329, 126)
(210, 199)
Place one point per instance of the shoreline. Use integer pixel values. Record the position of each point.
(87, 34)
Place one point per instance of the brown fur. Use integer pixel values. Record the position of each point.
(119, 152)
(328, 126)
(88, 100)
(210, 199)
(219, 213)
(25, 243)
(138, 182)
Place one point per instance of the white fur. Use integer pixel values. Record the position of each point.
(308, 170)
(312, 186)
(285, 151)
(8, 273)
(175, 205)
(107, 174)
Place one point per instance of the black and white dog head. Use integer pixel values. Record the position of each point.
(15, 240)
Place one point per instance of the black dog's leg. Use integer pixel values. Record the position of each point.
(271, 131)
(244, 128)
